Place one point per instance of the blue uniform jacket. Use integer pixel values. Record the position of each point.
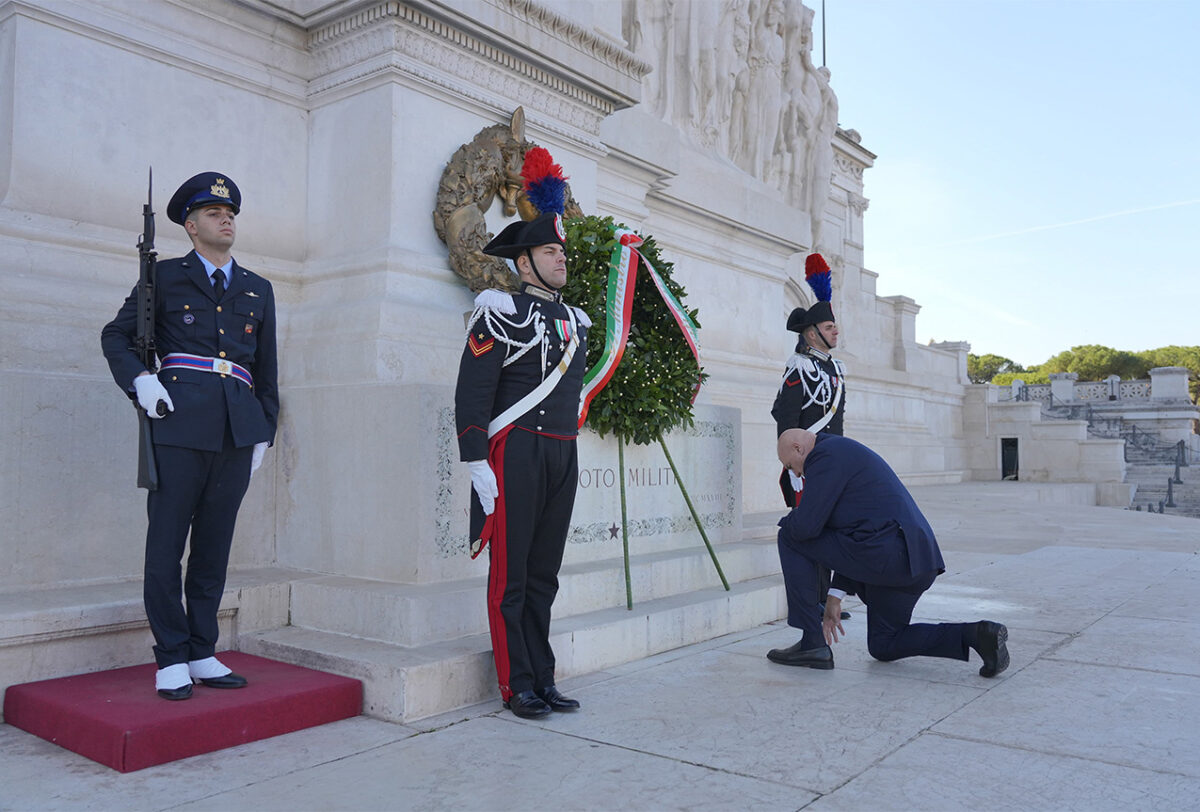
(855, 507)
(189, 319)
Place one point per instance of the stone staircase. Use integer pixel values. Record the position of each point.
(1145, 469)
(1149, 465)
(421, 649)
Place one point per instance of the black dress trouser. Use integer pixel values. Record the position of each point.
(537, 487)
(200, 492)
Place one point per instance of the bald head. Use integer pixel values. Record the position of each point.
(794, 447)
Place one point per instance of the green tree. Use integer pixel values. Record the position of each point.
(1094, 362)
(1176, 356)
(1030, 376)
(982, 368)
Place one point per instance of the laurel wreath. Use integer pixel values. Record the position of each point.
(651, 391)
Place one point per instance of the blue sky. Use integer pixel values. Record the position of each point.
(1038, 178)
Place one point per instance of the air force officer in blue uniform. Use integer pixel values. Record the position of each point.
(859, 520)
(215, 332)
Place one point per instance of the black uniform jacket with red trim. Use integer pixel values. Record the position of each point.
(793, 409)
(486, 386)
(189, 319)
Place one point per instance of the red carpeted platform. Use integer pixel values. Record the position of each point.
(116, 718)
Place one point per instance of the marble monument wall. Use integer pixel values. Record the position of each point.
(337, 119)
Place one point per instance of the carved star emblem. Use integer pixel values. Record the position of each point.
(612, 531)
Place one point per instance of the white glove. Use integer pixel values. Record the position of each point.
(256, 460)
(483, 480)
(797, 481)
(149, 392)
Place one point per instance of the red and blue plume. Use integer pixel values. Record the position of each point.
(545, 184)
(816, 273)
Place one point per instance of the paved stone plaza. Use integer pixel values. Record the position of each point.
(1099, 710)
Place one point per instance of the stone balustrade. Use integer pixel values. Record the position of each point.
(1165, 383)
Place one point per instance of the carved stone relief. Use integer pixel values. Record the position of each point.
(737, 77)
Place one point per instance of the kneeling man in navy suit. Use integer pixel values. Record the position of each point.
(858, 519)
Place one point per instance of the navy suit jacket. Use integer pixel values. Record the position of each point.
(857, 518)
(189, 318)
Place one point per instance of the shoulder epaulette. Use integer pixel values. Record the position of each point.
(583, 317)
(498, 300)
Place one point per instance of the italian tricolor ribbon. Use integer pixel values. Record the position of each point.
(622, 279)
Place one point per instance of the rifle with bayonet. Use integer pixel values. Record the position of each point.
(144, 343)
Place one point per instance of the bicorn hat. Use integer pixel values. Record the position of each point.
(205, 189)
(816, 273)
(518, 237)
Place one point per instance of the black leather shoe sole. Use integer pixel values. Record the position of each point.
(175, 694)
(992, 639)
(227, 681)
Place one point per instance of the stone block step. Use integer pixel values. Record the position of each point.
(417, 615)
(406, 683)
(1154, 468)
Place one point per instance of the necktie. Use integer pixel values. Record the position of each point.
(219, 283)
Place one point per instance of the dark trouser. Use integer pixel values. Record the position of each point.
(537, 487)
(199, 491)
(890, 635)
(791, 499)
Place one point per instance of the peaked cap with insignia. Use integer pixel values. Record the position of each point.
(205, 189)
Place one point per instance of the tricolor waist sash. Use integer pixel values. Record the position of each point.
(200, 363)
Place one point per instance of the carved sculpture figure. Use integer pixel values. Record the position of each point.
(766, 91)
(802, 107)
(818, 171)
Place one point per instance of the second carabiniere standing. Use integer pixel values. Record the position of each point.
(812, 394)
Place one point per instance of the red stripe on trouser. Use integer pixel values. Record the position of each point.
(497, 524)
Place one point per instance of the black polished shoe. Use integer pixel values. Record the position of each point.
(527, 705)
(230, 680)
(845, 615)
(175, 694)
(991, 641)
(557, 702)
(820, 657)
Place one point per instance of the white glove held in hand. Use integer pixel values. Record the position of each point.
(483, 480)
(256, 460)
(149, 392)
(797, 482)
